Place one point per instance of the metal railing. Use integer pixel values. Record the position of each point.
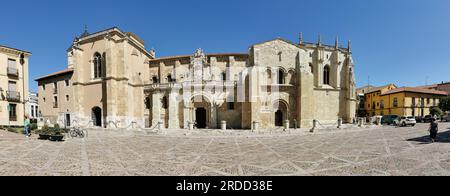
(12, 71)
(13, 96)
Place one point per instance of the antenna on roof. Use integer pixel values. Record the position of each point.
(85, 33)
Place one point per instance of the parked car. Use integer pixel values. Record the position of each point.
(427, 119)
(406, 121)
(446, 117)
(389, 119)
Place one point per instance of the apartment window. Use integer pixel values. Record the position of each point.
(428, 101)
(395, 102)
(382, 104)
(43, 87)
(311, 68)
(434, 102)
(12, 63)
(373, 105)
(44, 99)
(12, 112)
(67, 82)
(230, 105)
(37, 112)
(67, 98)
(55, 102)
(413, 102)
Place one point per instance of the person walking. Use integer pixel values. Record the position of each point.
(26, 126)
(433, 130)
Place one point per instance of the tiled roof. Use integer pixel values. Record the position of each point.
(415, 90)
(66, 71)
(379, 88)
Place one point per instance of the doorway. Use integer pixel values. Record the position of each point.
(279, 118)
(97, 116)
(200, 116)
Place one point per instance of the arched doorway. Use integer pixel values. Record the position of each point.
(281, 114)
(279, 118)
(97, 116)
(200, 115)
(201, 112)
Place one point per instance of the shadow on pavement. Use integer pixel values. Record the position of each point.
(442, 137)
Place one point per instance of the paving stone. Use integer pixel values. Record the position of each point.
(362, 152)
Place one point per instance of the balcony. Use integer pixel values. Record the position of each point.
(13, 72)
(13, 96)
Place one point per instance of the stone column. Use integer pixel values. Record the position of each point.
(174, 122)
(213, 116)
(305, 103)
(186, 116)
(156, 108)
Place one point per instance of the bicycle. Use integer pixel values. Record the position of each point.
(77, 132)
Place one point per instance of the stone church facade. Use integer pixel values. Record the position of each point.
(117, 82)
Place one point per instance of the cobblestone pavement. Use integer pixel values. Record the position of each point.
(383, 151)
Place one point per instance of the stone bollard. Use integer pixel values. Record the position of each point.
(160, 125)
(255, 126)
(360, 122)
(295, 124)
(223, 125)
(286, 125)
(314, 126)
(339, 123)
(379, 121)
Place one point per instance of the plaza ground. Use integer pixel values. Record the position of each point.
(379, 151)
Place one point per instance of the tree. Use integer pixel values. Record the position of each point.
(436, 111)
(444, 103)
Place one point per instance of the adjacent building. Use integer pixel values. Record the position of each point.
(444, 86)
(32, 105)
(405, 101)
(112, 81)
(13, 85)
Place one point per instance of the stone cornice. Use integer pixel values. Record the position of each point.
(14, 51)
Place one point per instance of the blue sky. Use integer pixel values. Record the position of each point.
(394, 41)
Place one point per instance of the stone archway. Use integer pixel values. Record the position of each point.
(281, 113)
(201, 111)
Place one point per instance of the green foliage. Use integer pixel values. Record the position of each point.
(34, 126)
(444, 103)
(53, 131)
(436, 111)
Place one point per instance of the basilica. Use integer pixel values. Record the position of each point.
(113, 81)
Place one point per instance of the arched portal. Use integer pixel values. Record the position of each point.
(281, 113)
(201, 112)
(279, 118)
(97, 116)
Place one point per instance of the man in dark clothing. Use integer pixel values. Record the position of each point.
(433, 130)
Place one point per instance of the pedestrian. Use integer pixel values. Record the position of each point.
(433, 130)
(26, 126)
